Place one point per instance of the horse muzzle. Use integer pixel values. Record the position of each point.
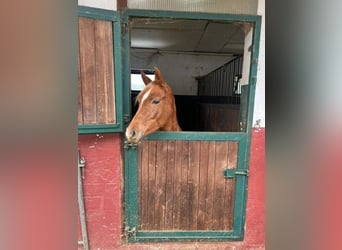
(134, 136)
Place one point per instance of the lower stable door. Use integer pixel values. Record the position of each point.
(186, 190)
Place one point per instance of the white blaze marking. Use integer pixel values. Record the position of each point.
(145, 96)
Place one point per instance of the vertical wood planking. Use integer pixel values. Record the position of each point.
(182, 185)
(144, 191)
(203, 179)
(96, 91)
(104, 72)
(233, 154)
(151, 184)
(87, 62)
(161, 157)
(219, 191)
(230, 187)
(170, 177)
(184, 197)
(80, 104)
(177, 185)
(193, 182)
(210, 186)
(228, 213)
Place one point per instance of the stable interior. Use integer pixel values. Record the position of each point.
(202, 61)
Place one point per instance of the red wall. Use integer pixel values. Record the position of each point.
(103, 196)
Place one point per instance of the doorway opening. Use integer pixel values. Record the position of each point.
(202, 61)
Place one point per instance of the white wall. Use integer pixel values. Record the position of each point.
(179, 70)
(259, 104)
(246, 55)
(102, 4)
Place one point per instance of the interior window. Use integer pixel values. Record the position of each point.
(137, 83)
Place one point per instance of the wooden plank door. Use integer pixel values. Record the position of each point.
(96, 72)
(99, 71)
(181, 185)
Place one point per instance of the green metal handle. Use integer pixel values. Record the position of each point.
(232, 173)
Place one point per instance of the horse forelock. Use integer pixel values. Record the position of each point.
(142, 93)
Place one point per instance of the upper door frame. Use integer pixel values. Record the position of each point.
(131, 13)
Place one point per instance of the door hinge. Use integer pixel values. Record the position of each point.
(126, 118)
(130, 232)
(231, 173)
(124, 28)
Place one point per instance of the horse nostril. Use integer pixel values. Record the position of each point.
(133, 133)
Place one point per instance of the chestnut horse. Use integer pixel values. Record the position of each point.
(157, 109)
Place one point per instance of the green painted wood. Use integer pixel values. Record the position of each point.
(240, 191)
(131, 197)
(105, 128)
(97, 13)
(165, 236)
(126, 72)
(131, 187)
(243, 108)
(189, 15)
(118, 75)
(197, 136)
(232, 173)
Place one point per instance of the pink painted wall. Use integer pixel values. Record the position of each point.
(103, 188)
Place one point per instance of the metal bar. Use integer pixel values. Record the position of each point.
(99, 128)
(198, 136)
(184, 236)
(190, 15)
(81, 163)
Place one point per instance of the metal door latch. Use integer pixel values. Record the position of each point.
(231, 173)
(130, 232)
(129, 145)
(81, 164)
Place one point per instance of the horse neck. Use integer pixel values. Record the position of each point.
(171, 124)
(174, 124)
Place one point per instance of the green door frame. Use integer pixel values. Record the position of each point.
(114, 17)
(244, 138)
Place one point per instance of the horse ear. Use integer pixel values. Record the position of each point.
(145, 78)
(157, 75)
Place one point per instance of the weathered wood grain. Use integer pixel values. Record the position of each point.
(182, 186)
(104, 72)
(87, 62)
(96, 86)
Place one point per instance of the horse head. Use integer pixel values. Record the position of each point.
(157, 109)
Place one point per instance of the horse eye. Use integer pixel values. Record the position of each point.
(155, 101)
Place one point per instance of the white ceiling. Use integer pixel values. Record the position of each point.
(187, 36)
